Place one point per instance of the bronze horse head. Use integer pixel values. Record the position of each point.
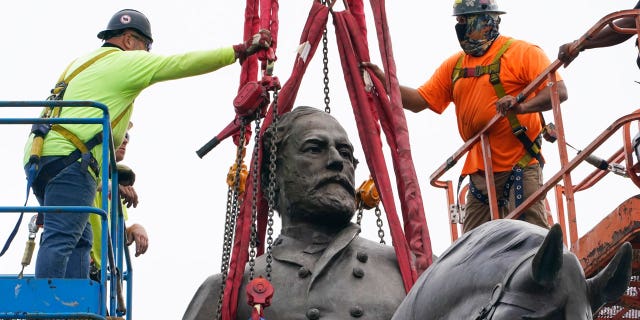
(509, 269)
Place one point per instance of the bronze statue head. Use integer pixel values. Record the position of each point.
(314, 169)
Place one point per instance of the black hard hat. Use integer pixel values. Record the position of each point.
(461, 7)
(127, 19)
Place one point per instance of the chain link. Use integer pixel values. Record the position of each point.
(359, 214)
(272, 184)
(325, 70)
(379, 224)
(325, 66)
(233, 204)
(254, 203)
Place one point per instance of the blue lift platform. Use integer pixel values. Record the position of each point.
(22, 296)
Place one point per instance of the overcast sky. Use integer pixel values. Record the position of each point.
(183, 197)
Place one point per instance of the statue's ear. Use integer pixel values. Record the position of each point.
(612, 281)
(548, 260)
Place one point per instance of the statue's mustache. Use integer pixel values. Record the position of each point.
(339, 179)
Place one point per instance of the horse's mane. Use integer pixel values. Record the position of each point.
(497, 238)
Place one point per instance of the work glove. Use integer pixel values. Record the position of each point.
(568, 51)
(259, 41)
(126, 176)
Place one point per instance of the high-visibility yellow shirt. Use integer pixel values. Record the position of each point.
(115, 80)
(96, 227)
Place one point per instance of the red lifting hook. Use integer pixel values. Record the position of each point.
(259, 293)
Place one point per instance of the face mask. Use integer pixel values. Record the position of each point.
(478, 33)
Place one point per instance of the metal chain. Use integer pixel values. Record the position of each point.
(233, 203)
(379, 224)
(272, 184)
(325, 67)
(226, 251)
(359, 215)
(254, 204)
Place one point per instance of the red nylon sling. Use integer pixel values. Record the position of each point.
(414, 217)
(312, 33)
(350, 44)
(393, 122)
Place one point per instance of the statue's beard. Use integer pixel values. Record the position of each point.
(328, 202)
(322, 211)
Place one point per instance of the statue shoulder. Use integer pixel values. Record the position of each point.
(205, 301)
(374, 250)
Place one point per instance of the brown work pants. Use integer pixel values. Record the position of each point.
(477, 212)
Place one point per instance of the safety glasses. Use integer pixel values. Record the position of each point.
(147, 42)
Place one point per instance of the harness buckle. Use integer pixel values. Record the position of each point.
(487, 311)
(469, 72)
(457, 213)
(479, 70)
(519, 130)
(494, 78)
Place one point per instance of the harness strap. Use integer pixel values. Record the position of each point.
(515, 179)
(41, 130)
(57, 93)
(83, 150)
(71, 137)
(493, 70)
(502, 201)
(518, 130)
(501, 295)
(532, 148)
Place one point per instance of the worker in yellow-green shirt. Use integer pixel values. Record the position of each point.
(113, 75)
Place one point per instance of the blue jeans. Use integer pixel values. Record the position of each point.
(66, 237)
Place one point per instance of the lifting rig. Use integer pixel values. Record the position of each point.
(24, 296)
(597, 246)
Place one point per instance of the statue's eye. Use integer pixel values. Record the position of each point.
(346, 153)
(313, 149)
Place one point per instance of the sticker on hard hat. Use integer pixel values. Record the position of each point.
(125, 19)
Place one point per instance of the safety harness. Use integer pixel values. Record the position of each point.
(83, 149)
(532, 148)
(39, 131)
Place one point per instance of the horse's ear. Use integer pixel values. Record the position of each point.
(612, 281)
(548, 260)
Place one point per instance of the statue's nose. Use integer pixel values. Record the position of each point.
(335, 161)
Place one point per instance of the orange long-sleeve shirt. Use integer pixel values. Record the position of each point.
(475, 98)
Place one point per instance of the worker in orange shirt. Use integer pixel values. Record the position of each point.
(482, 80)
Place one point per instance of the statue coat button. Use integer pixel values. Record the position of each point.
(303, 272)
(356, 312)
(313, 314)
(362, 256)
(358, 272)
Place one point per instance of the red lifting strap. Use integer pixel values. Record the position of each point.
(312, 33)
(415, 223)
(394, 124)
(367, 121)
